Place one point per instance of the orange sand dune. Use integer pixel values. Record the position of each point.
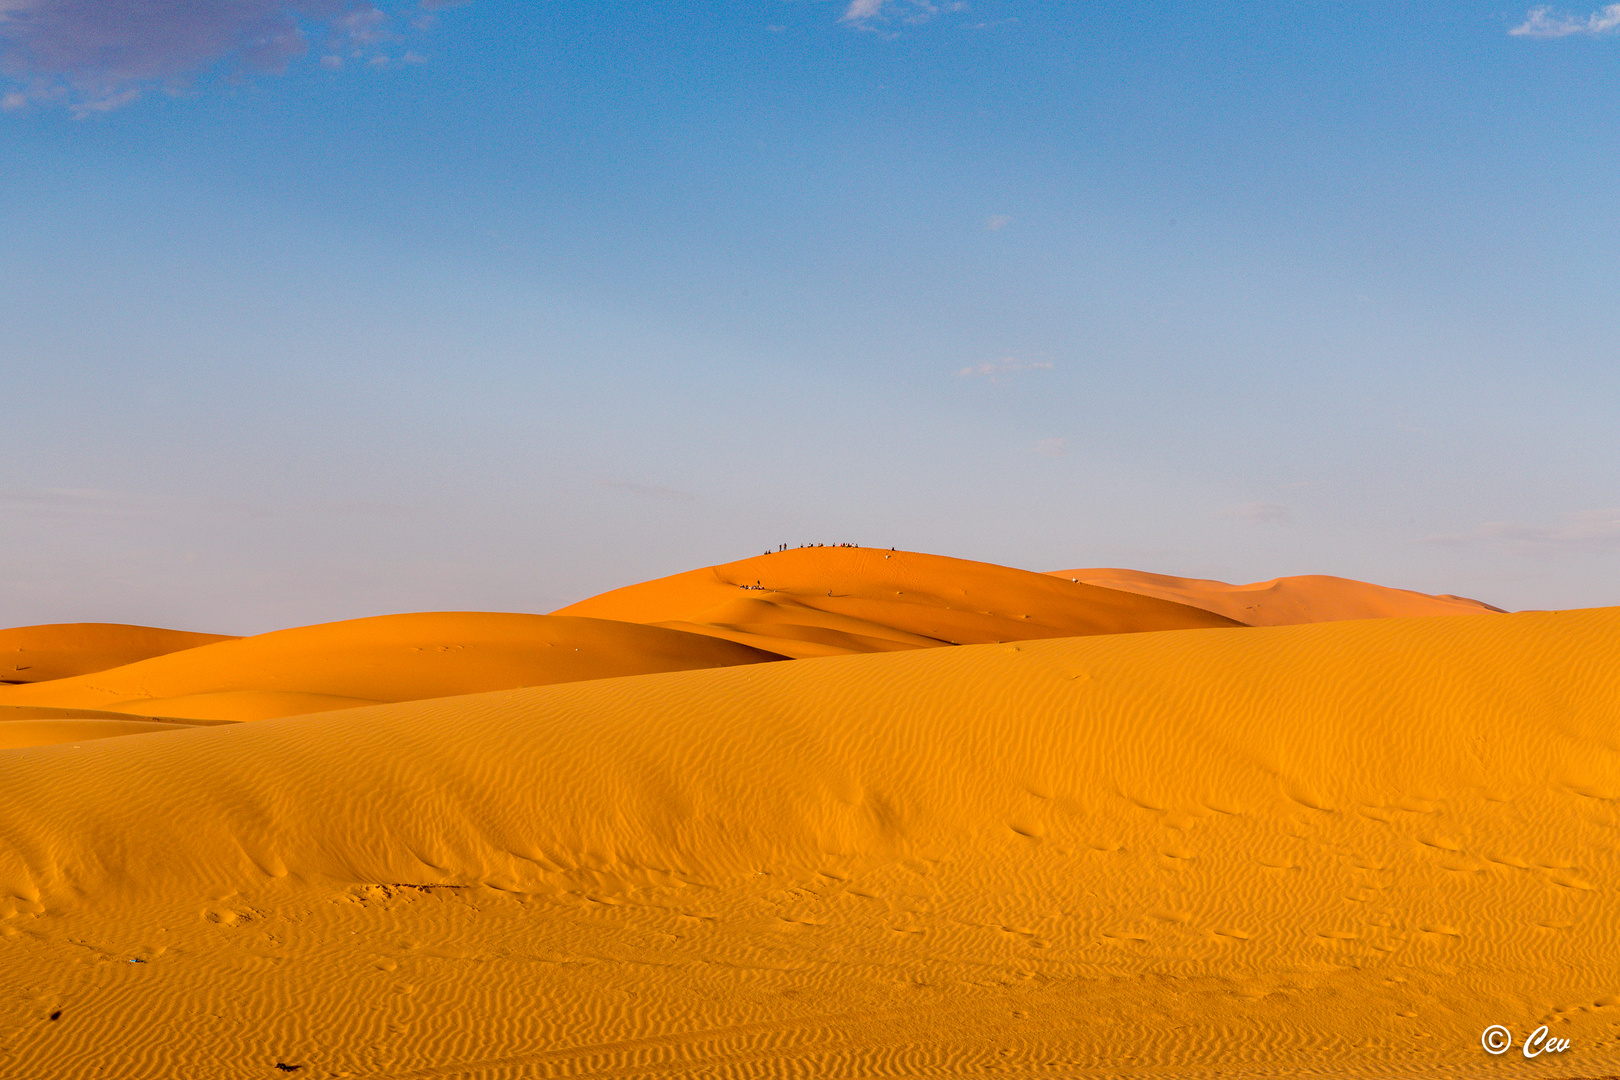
(1281, 601)
(827, 601)
(34, 726)
(387, 658)
(37, 653)
(1339, 850)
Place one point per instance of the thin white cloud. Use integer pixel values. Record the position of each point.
(996, 370)
(1587, 531)
(106, 102)
(866, 13)
(361, 26)
(1543, 22)
(1258, 513)
(997, 222)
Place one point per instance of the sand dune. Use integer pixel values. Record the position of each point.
(387, 658)
(1338, 849)
(61, 650)
(828, 601)
(36, 726)
(756, 610)
(1283, 601)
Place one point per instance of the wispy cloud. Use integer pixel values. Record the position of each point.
(997, 222)
(996, 370)
(1052, 447)
(362, 26)
(862, 10)
(1543, 22)
(866, 14)
(1588, 531)
(95, 55)
(1258, 513)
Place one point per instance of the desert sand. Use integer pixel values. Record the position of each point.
(1124, 842)
(39, 653)
(1285, 601)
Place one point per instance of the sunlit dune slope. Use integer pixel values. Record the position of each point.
(38, 653)
(387, 658)
(1282, 601)
(1336, 849)
(826, 601)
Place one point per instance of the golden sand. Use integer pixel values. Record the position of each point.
(1339, 849)
(1284, 601)
(387, 658)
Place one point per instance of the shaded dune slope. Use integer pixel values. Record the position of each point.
(31, 654)
(1282, 601)
(367, 661)
(1337, 848)
(827, 601)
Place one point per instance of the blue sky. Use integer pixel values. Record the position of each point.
(320, 310)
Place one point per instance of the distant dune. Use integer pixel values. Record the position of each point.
(1281, 601)
(386, 658)
(1083, 846)
(38, 653)
(826, 601)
